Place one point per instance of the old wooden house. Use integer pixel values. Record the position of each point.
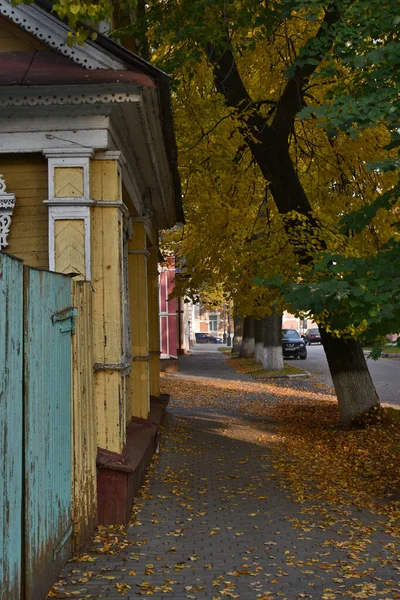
(88, 176)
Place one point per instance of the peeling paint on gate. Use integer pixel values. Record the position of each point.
(48, 323)
(11, 443)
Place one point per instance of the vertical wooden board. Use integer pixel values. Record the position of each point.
(154, 375)
(112, 288)
(26, 176)
(110, 411)
(106, 263)
(11, 428)
(48, 448)
(129, 382)
(98, 284)
(141, 397)
(139, 302)
(84, 506)
(104, 180)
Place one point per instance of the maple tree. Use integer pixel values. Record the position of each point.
(268, 61)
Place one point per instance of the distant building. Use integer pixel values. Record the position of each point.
(301, 324)
(216, 320)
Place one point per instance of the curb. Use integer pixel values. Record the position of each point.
(293, 376)
(383, 355)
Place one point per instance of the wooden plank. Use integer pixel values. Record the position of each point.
(84, 417)
(26, 176)
(104, 180)
(48, 444)
(11, 429)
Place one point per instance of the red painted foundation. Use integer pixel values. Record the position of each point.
(119, 476)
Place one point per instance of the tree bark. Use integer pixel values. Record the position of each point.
(258, 340)
(354, 388)
(247, 346)
(237, 333)
(272, 350)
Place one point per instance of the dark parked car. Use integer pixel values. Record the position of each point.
(312, 336)
(293, 344)
(207, 338)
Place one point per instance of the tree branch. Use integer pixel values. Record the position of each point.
(291, 100)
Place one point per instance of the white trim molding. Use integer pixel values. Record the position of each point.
(7, 204)
(69, 157)
(63, 208)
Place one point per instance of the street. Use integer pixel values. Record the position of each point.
(385, 373)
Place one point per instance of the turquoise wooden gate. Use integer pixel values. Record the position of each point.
(36, 321)
(48, 322)
(11, 419)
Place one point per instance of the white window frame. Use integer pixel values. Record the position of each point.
(213, 319)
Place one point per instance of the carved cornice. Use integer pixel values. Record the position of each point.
(52, 31)
(74, 95)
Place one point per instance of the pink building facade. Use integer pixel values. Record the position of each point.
(168, 311)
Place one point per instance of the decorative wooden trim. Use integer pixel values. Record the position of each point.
(64, 213)
(52, 31)
(76, 95)
(7, 203)
(69, 157)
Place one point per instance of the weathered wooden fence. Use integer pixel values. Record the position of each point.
(47, 437)
(11, 426)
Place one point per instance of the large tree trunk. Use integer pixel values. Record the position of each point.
(354, 388)
(237, 332)
(272, 355)
(247, 346)
(258, 340)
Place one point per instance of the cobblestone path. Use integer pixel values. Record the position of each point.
(213, 523)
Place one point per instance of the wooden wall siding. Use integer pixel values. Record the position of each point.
(154, 327)
(69, 244)
(13, 39)
(26, 176)
(84, 506)
(106, 255)
(104, 180)
(139, 392)
(68, 182)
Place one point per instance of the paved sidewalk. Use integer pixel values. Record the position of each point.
(215, 524)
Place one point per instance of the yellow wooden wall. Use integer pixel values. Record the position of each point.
(26, 176)
(84, 417)
(107, 304)
(139, 383)
(13, 39)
